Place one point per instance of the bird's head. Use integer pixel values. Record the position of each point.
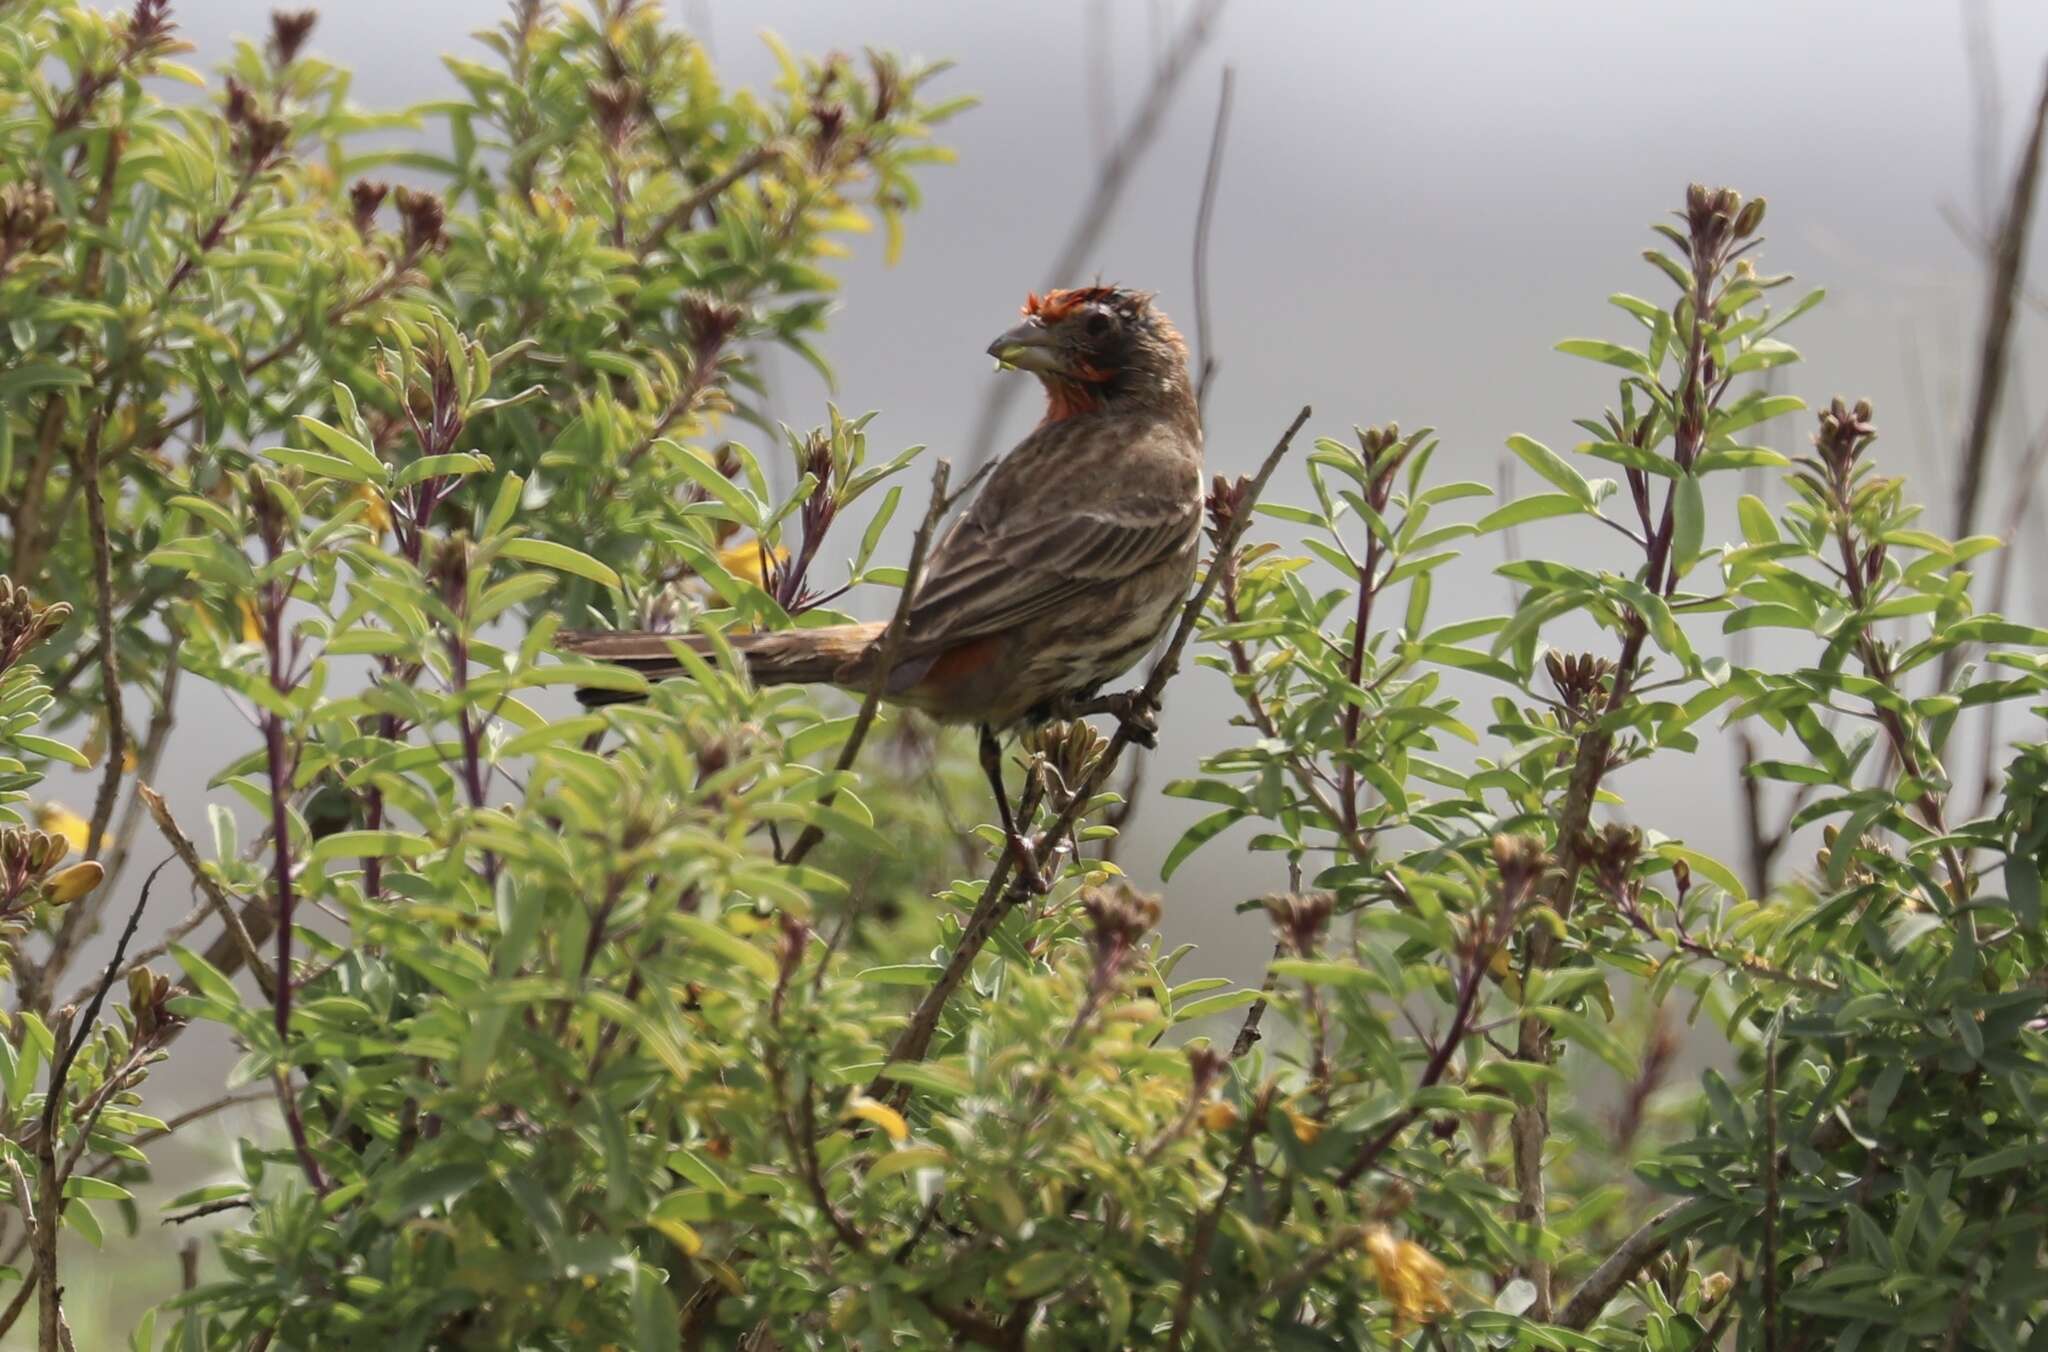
(1095, 347)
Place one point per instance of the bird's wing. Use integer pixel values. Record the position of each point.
(1079, 505)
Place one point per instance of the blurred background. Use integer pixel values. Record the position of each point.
(1415, 204)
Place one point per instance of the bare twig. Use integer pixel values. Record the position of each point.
(147, 757)
(2009, 267)
(713, 188)
(49, 1182)
(2022, 504)
(1770, 1172)
(208, 1209)
(916, 1037)
(276, 763)
(1204, 215)
(1248, 1031)
(29, 1283)
(1094, 216)
(1629, 1258)
(892, 640)
(110, 670)
(209, 887)
(38, 1279)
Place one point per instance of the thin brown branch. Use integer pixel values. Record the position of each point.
(279, 785)
(110, 669)
(1770, 1172)
(42, 1278)
(49, 1178)
(972, 1327)
(682, 212)
(1111, 179)
(2007, 273)
(208, 1209)
(915, 1039)
(1248, 1031)
(209, 887)
(29, 1284)
(1628, 1260)
(1205, 214)
(1470, 981)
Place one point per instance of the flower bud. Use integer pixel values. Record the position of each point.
(70, 884)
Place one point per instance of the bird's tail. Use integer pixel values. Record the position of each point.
(784, 657)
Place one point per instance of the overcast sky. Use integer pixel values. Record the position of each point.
(1417, 202)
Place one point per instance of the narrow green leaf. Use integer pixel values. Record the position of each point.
(1552, 466)
(562, 559)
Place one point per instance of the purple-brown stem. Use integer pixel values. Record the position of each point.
(1354, 669)
(276, 594)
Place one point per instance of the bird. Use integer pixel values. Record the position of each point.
(1074, 556)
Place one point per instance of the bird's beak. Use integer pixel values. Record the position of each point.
(1028, 347)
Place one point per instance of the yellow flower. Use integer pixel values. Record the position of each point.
(1306, 1128)
(59, 820)
(68, 885)
(882, 1115)
(252, 626)
(1219, 1115)
(1408, 1277)
(745, 560)
(376, 512)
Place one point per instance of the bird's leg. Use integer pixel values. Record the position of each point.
(1134, 709)
(1022, 852)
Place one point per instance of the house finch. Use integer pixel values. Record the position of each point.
(1073, 558)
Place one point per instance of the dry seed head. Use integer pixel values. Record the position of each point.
(289, 29)
(28, 218)
(1225, 502)
(1613, 854)
(1205, 1065)
(1521, 861)
(365, 197)
(615, 107)
(1121, 914)
(1301, 918)
(1582, 681)
(1070, 750)
(423, 219)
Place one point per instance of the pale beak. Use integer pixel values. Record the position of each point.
(1028, 347)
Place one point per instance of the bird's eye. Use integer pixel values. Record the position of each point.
(1098, 324)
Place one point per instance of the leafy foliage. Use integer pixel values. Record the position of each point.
(574, 1041)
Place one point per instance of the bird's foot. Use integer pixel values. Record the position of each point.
(1137, 712)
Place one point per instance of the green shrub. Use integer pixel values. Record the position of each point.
(590, 1048)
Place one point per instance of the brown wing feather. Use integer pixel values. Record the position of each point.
(1079, 505)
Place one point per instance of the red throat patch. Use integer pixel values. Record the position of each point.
(1065, 399)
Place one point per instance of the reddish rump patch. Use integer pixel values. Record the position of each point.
(958, 663)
